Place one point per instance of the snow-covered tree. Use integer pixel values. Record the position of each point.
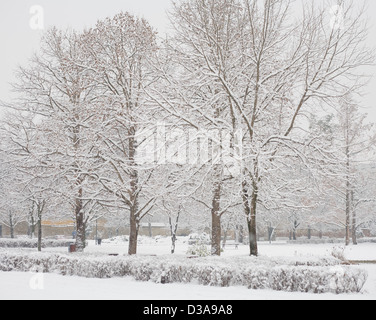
(251, 64)
(207, 123)
(57, 92)
(119, 52)
(13, 209)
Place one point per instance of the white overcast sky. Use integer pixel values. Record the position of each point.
(18, 41)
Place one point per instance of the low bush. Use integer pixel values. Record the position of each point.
(254, 273)
(199, 249)
(33, 243)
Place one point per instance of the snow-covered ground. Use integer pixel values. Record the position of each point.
(25, 286)
(50, 286)
(162, 246)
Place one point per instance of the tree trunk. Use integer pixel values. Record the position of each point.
(174, 230)
(80, 223)
(239, 234)
(353, 230)
(80, 235)
(252, 225)
(134, 225)
(11, 225)
(216, 220)
(348, 214)
(134, 214)
(354, 222)
(250, 212)
(133, 235)
(270, 234)
(32, 223)
(173, 243)
(295, 229)
(348, 193)
(40, 210)
(216, 234)
(224, 238)
(39, 231)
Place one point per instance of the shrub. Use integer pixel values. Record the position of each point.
(199, 249)
(33, 243)
(254, 273)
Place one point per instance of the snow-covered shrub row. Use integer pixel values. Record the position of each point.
(316, 241)
(367, 240)
(329, 241)
(254, 273)
(33, 243)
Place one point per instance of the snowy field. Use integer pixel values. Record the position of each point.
(16, 285)
(162, 246)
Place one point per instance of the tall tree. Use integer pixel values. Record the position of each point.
(120, 49)
(206, 33)
(251, 64)
(58, 93)
(355, 142)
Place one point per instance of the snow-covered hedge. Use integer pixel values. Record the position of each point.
(33, 243)
(255, 273)
(329, 241)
